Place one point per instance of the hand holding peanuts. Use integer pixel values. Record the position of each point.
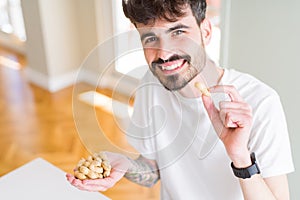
(96, 177)
(232, 123)
(96, 166)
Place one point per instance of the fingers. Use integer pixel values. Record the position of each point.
(227, 89)
(235, 114)
(70, 177)
(233, 118)
(231, 114)
(210, 107)
(92, 185)
(96, 184)
(234, 105)
(213, 113)
(108, 182)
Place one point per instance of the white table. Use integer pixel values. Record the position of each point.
(38, 180)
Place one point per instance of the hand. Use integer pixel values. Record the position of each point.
(120, 165)
(232, 123)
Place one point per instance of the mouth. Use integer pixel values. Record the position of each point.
(173, 66)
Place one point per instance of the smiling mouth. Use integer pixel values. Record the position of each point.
(173, 66)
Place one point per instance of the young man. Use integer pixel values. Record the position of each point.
(200, 147)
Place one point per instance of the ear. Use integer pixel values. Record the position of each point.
(206, 31)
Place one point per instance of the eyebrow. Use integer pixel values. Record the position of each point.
(179, 26)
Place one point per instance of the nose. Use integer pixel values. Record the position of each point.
(164, 50)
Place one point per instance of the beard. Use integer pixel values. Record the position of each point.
(179, 80)
(176, 81)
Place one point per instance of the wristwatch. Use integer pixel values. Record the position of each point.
(248, 171)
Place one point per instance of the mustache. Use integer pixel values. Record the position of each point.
(172, 58)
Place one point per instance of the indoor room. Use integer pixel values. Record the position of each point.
(70, 71)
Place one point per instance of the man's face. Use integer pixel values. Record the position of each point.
(173, 50)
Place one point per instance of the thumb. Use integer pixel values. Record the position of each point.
(213, 113)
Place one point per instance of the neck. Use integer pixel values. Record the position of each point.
(210, 76)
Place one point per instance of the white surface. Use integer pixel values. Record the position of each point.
(38, 180)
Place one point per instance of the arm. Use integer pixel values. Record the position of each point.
(143, 171)
(233, 123)
(269, 188)
(257, 187)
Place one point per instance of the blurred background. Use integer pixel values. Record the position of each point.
(66, 61)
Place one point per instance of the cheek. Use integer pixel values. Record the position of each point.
(188, 45)
(149, 55)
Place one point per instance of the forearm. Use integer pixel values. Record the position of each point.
(255, 188)
(143, 172)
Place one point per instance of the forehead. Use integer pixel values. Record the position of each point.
(162, 24)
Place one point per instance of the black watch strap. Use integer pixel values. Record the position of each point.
(248, 171)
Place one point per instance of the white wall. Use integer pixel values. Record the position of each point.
(61, 36)
(35, 42)
(263, 39)
(86, 21)
(52, 47)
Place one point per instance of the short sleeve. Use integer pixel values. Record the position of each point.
(270, 139)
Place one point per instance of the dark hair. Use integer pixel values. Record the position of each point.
(147, 11)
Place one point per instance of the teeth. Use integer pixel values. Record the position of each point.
(170, 67)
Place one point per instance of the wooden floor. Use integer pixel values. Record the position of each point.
(35, 123)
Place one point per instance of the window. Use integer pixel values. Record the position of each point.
(213, 14)
(132, 62)
(129, 52)
(11, 18)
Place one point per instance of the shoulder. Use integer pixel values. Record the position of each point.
(250, 88)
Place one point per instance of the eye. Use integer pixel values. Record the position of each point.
(150, 40)
(177, 32)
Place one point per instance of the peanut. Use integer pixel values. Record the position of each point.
(79, 175)
(202, 89)
(106, 173)
(84, 170)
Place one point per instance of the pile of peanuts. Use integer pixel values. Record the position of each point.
(94, 167)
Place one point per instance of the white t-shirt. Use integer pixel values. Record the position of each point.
(177, 133)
